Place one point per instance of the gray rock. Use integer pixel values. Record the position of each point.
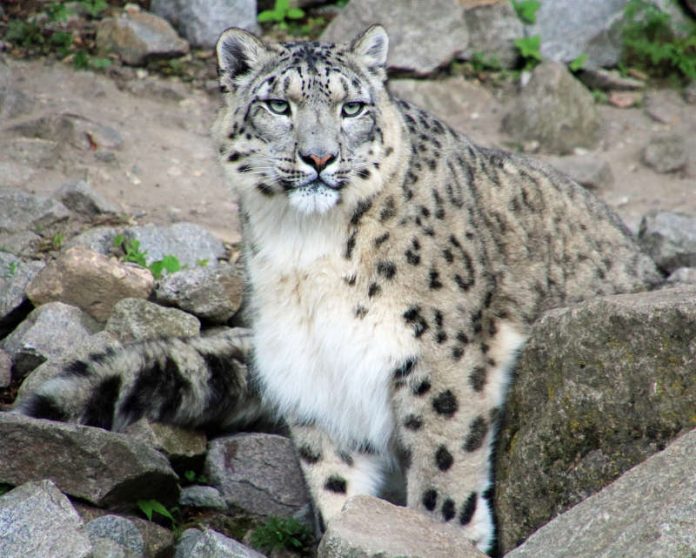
(89, 281)
(683, 275)
(200, 22)
(14, 174)
(137, 37)
(567, 31)
(81, 198)
(609, 80)
(555, 110)
(372, 528)
(15, 275)
(454, 100)
(35, 152)
(21, 243)
(48, 332)
(202, 497)
(83, 347)
(135, 319)
(120, 531)
(5, 369)
(108, 548)
(173, 441)
(435, 26)
(20, 212)
(666, 106)
(649, 511)
(211, 293)
(600, 387)
(13, 102)
(666, 153)
(211, 544)
(690, 91)
(669, 239)
(189, 242)
(258, 473)
(97, 239)
(105, 468)
(588, 170)
(73, 129)
(37, 520)
(493, 28)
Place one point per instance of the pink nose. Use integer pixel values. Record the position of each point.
(320, 162)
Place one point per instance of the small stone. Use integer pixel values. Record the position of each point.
(119, 530)
(138, 37)
(669, 238)
(15, 275)
(80, 197)
(690, 91)
(175, 442)
(37, 520)
(666, 153)
(587, 170)
(685, 275)
(609, 80)
(625, 99)
(259, 473)
(370, 528)
(191, 244)
(135, 319)
(50, 331)
(665, 107)
(211, 293)
(90, 281)
(21, 212)
(5, 369)
(96, 239)
(211, 544)
(202, 497)
(493, 28)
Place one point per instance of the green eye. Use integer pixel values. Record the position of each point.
(278, 107)
(352, 108)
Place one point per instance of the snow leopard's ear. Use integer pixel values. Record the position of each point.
(239, 52)
(372, 47)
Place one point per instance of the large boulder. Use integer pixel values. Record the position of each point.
(669, 238)
(104, 468)
(600, 387)
(423, 35)
(200, 22)
(649, 511)
(37, 520)
(555, 110)
(493, 28)
(373, 528)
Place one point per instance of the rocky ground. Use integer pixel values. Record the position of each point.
(109, 177)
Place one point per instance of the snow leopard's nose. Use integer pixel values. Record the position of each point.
(318, 161)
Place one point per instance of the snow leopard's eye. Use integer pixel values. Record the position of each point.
(278, 106)
(352, 108)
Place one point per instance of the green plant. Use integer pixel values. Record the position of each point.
(282, 533)
(599, 96)
(24, 34)
(526, 9)
(152, 507)
(651, 45)
(203, 262)
(94, 8)
(195, 478)
(133, 253)
(280, 13)
(168, 263)
(481, 63)
(58, 11)
(57, 240)
(577, 64)
(82, 60)
(12, 268)
(530, 50)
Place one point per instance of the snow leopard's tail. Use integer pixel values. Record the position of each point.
(199, 382)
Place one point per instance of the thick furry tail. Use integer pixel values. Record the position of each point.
(198, 382)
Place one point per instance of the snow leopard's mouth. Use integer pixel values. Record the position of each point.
(318, 184)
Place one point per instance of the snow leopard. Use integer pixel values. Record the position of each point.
(394, 269)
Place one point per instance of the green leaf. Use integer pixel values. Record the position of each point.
(529, 47)
(526, 10)
(295, 13)
(576, 64)
(266, 16)
(282, 6)
(150, 507)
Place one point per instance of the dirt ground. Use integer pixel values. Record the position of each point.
(166, 170)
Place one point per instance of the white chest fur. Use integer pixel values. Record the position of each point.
(316, 360)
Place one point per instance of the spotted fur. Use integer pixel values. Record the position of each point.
(394, 270)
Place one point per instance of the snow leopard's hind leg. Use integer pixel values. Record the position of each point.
(199, 382)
